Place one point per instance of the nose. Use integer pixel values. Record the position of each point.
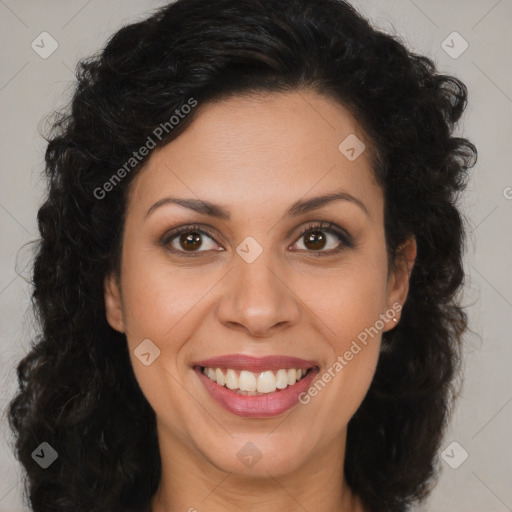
(258, 300)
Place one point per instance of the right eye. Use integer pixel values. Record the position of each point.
(186, 240)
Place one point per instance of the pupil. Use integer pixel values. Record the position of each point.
(191, 241)
(317, 239)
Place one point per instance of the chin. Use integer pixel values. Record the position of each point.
(258, 455)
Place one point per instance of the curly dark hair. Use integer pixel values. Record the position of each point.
(77, 389)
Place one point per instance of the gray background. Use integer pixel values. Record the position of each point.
(32, 87)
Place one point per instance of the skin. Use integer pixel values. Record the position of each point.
(255, 155)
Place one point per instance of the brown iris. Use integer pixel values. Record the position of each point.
(316, 238)
(191, 241)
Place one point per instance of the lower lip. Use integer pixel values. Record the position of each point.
(257, 406)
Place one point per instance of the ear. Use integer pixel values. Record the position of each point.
(398, 281)
(113, 303)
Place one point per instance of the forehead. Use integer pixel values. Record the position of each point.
(260, 149)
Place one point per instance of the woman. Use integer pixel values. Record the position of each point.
(247, 274)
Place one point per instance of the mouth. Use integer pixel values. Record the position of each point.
(256, 387)
(248, 383)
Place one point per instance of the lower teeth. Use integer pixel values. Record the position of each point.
(240, 392)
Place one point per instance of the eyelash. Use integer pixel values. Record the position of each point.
(343, 236)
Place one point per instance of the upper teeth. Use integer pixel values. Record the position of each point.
(253, 383)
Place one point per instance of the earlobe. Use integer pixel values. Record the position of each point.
(398, 284)
(113, 304)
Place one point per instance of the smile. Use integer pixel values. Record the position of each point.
(250, 383)
(256, 387)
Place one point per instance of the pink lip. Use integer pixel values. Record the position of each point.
(256, 406)
(256, 364)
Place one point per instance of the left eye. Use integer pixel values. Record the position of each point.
(190, 240)
(317, 240)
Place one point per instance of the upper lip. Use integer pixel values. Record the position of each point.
(256, 364)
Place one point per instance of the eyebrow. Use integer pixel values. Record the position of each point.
(300, 207)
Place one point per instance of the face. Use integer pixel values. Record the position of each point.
(249, 291)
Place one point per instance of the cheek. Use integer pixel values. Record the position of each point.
(347, 310)
(348, 300)
(158, 298)
(162, 304)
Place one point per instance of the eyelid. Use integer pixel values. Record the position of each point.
(196, 228)
(330, 227)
